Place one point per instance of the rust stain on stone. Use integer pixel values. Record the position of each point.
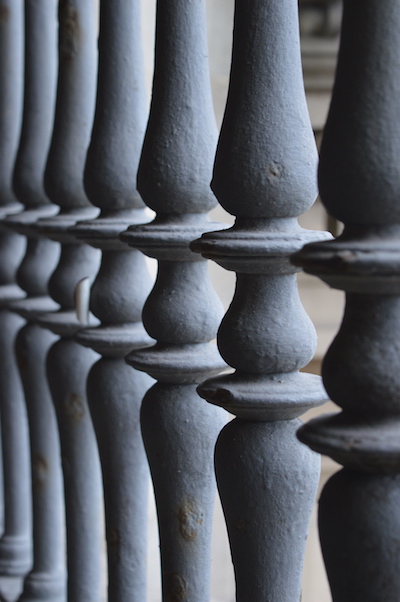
(74, 406)
(70, 30)
(190, 518)
(174, 587)
(40, 469)
(4, 13)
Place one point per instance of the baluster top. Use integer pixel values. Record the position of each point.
(360, 166)
(121, 111)
(39, 100)
(173, 178)
(359, 173)
(118, 129)
(266, 161)
(74, 107)
(66, 160)
(11, 85)
(179, 145)
(265, 175)
(122, 285)
(38, 116)
(359, 178)
(266, 158)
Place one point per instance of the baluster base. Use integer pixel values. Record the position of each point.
(267, 482)
(179, 433)
(39, 587)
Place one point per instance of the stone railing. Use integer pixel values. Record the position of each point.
(105, 374)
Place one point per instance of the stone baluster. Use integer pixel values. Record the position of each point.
(182, 312)
(359, 178)
(264, 174)
(15, 544)
(68, 363)
(11, 99)
(115, 391)
(47, 577)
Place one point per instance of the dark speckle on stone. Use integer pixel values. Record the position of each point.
(274, 172)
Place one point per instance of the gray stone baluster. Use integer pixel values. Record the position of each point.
(11, 99)
(182, 312)
(115, 391)
(359, 180)
(15, 544)
(68, 363)
(47, 577)
(264, 174)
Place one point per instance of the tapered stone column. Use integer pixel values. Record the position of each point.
(182, 311)
(47, 578)
(359, 180)
(264, 174)
(68, 363)
(15, 543)
(115, 391)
